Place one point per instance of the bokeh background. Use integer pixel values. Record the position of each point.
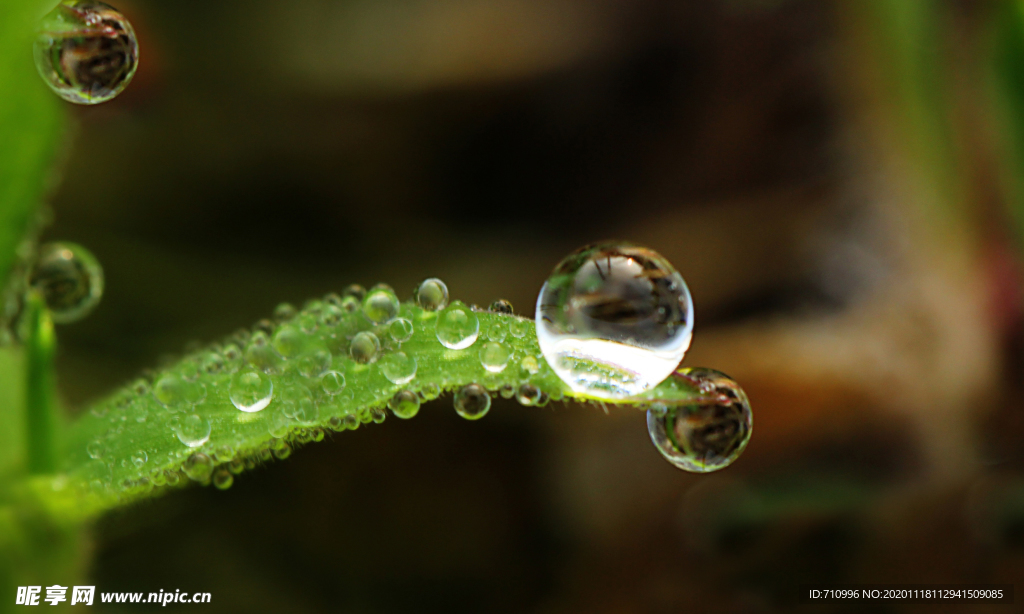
(837, 180)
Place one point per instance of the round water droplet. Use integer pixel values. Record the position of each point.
(401, 330)
(398, 367)
(333, 382)
(336, 423)
(314, 364)
(284, 312)
(380, 305)
(86, 51)
(432, 295)
(507, 391)
(529, 365)
(501, 306)
(528, 395)
(70, 280)
(331, 315)
(194, 430)
(707, 435)
(212, 362)
(281, 450)
(95, 449)
(251, 391)
(457, 326)
(494, 357)
(472, 402)
(223, 479)
(365, 347)
(614, 320)
(496, 331)
(405, 404)
(351, 422)
(296, 402)
(139, 458)
(309, 322)
(377, 415)
(289, 341)
(176, 393)
(429, 392)
(261, 354)
(355, 291)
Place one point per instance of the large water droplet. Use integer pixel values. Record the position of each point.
(380, 305)
(432, 294)
(70, 280)
(251, 391)
(405, 404)
(472, 402)
(176, 393)
(494, 357)
(708, 434)
(86, 52)
(614, 320)
(365, 347)
(457, 326)
(398, 367)
(194, 430)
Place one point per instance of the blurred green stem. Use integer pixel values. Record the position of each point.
(41, 419)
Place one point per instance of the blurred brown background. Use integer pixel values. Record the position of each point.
(833, 190)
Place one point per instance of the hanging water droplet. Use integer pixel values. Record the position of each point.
(614, 320)
(429, 392)
(223, 479)
(281, 449)
(351, 422)
(706, 435)
(405, 404)
(333, 382)
(336, 423)
(139, 458)
(251, 391)
(380, 305)
(494, 357)
(377, 415)
(365, 348)
(401, 330)
(501, 306)
(194, 430)
(432, 294)
(457, 326)
(176, 393)
(507, 391)
(472, 402)
(86, 51)
(528, 395)
(70, 280)
(398, 367)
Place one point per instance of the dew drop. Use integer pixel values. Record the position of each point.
(380, 305)
(401, 330)
(472, 402)
(355, 291)
(289, 341)
(405, 404)
(86, 52)
(494, 357)
(284, 312)
(333, 382)
(707, 435)
(95, 449)
(331, 315)
(314, 364)
(139, 458)
(223, 479)
(212, 362)
(429, 392)
(70, 280)
(297, 403)
(251, 391)
(351, 422)
(194, 430)
(236, 466)
(377, 415)
(336, 423)
(432, 294)
(507, 391)
(501, 306)
(398, 367)
(614, 320)
(457, 326)
(365, 347)
(529, 365)
(261, 354)
(177, 393)
(528, 395)
(281, 450)
(496, 331)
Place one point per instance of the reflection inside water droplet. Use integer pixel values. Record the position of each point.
(472, 402)
(457, 326)
(70, 280)
(251, 391)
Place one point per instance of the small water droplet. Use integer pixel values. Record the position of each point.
(336, 423)
(70, 280)
(614, 320)
(457, 326)
(351, 422)
(507, 391)
(308, 322)
(86, 51)
(355, 291)
(496, 331)
(194, 430)
(501, 306)
(528, 395)
(251, 391)
(398, 367)
(95, 449)
(223, 479)
(333, 382)
(139, 458)
(314, 364)
(365, 347)
(281, 449)
(405, 404)
(289, 341)
(264, 326)
(297, 403)
(472, 402)
(331, 315)
(284, 312)
(707, 435)
(380, 305)
(494, 357)
(176, 393)
(378, 415)
(429, 392)
(401, 330)
(261, 354)
(432, 294)
(529, 365)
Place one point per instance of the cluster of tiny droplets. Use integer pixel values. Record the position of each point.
(289, 377)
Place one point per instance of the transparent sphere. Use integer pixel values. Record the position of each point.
(86, 51)
(703, 436)
(614, 320)
(70, 280)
